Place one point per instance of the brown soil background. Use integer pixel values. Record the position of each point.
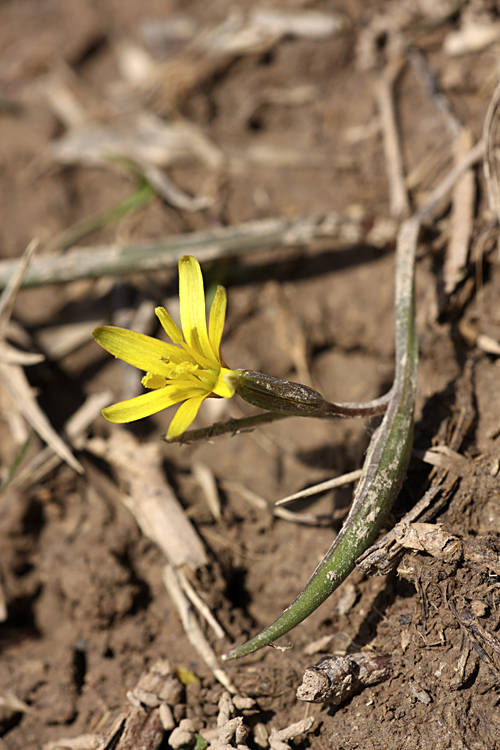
(87, 611)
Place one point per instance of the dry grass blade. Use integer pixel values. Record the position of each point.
(12, 356)
(461, 220)
(83, 742)
(199, 604)
(464, 193)
(398, 197)
(206, 479)
(193, 629)
(16, 384)
(75, 430)
(261, 29)
(13, 378)
(145, 139)
(329, 484)
(15, 282)
(442, 190)
(443, 457)
(3, 603)
(11, 701)
(491, 153)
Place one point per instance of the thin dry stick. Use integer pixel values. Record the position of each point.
(199, 604)
(192, 627)
(398, 197)
(16, 384)
(492, 182)
(491, 160)
(206, 479)
(461, 219)
(329, 484)
(446, 185)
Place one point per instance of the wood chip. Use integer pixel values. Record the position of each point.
(334, 679)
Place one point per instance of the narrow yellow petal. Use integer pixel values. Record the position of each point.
(206, 364)
(192, 307)
(217, 319)
(149, 403)
(225, 387)
(185, 416)
(169, 326)
(143, 352)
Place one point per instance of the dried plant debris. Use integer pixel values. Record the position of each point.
(468, 586)
(12, 376)
(334, 679)
(149, 497)
(162, 519)
(148, 720)
(144, 138)
(240, 33)
(430, 538)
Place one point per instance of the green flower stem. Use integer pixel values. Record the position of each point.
(384, 468)
(222, 428)
(244, 424)
(297, 400)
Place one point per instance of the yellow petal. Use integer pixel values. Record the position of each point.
(203, 362)
(225, 387)
(169, 326)
(192, 307)
(217, 319)
(185, 416)
(143, 352)
(149, 403)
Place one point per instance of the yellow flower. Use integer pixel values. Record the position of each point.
(190, 369)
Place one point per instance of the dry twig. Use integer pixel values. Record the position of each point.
(398, 197)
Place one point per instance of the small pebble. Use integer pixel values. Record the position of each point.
(183, 735)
